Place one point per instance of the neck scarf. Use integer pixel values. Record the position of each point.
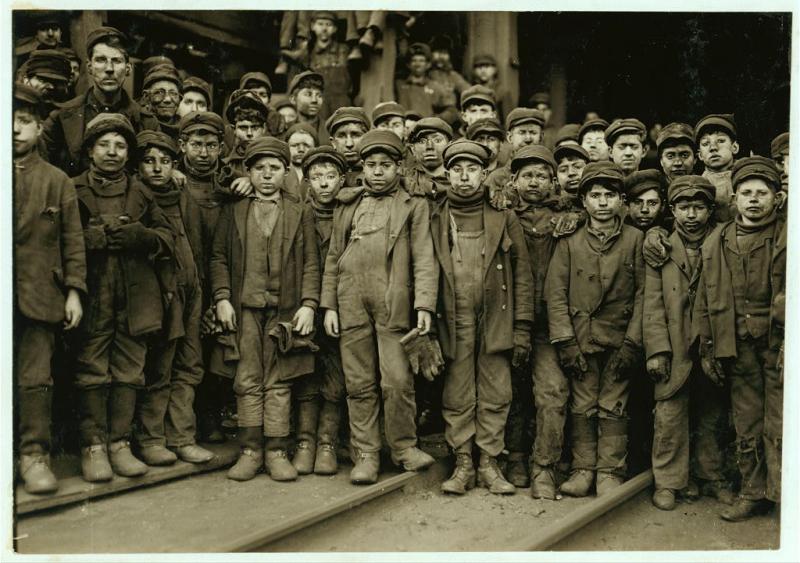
(386, 189)
(197, 174)
(742, 229)
(692, 239)
(464, 202)
(166, 196)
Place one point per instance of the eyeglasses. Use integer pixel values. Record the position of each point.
(431, 140)
(159, 95)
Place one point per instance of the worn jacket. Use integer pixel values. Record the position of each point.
(49, 255)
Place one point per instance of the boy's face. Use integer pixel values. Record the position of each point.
(466, 177)
(534, 182)
(492, 142)
(716, 150)
(418, 65)
(428, 149)
(409, 125)
(308, 101)
(261, 91)
(267, 174)
(49, 34)
(75, 70)
(324, 30)
(691, 214)
(192, 100)
(299, 144)
(345, 139)
(109, 152)
(379, 169)
(594, 142)
(485, 73)
(394, 123)
(201, 150)
(755, 200)
(782, 162)
(677, 160)
(570, 172)
(246, 130)
(156, 166)
(325, 180)
(289, 115)
(475, 111)
(441, 58)
(601, 203)
(45, 86)
(645, 208)
(627, 152)
(525, 134)
(107, 68)
(27, 128)
(164, 97)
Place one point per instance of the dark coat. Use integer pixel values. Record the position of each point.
(49, 254)
(507, 280)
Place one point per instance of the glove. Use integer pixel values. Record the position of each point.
(567, 224)
(431, 360)
(656, 247)
(622, 360)
(710, 364)
(209, 324)
(94, 236)
(290, 341)
(413, 345)
(133, 236)
(571, 359)
(522, 348)
(659, 367)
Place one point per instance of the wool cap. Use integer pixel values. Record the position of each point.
(430, 125)
(387, 109)
(48, 63)
(70, 53)
(464, 149)
(643, 180)
(107, 122)
(323, 15)
(148, 138)
(103, 34)
(201, 120)
(412, 114)
(162, 72)
(478, 94)
(324, 153)
(627, 126)
(691, 186)
(484, 59)
(283, 101)
(267, 146)
(778, 145)
(605, 172)
(675, 134)
(532, 153)
(568, 134)
(596, 124)
(347, 114)
(380, 140)
(756, 167)
(258, 77)
(488, 125)
(520, 116)
(302, 127)
(29, 96)
(570, 149)
(307, 79)
(198, 85)
(244, 99)
(715, 122)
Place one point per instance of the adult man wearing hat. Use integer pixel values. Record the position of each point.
(301, 138)
(688, 408)
(48, 71)
(347, 126)
(717, 147)
(307, 93)
(676, 150)
(779, 151)
(107, 68)
(381, 241)
(541, 101)
(739, 321)
(328, 57)
(259, 84)
(489, 133)
(481, 341)
(161, 94)
(125, 233)
(428, 177)
(196, 96)
(594, 291)
(417, 92)
(644, 196)
(165, 407)
(592, 137)
(626, 139)
(484, 72)
(44, 303)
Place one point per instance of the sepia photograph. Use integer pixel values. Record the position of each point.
(413, 285)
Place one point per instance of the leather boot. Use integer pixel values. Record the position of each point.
(369, 38)
(94, 464)
(327, 431)
(743, 509)
(365, 471)
(35, 407)
(121, 410)
(276, 460)
(584, 456)
(93, 408)
(543, 482)
(251, 455)
(307, 421)
(412, 459)
(517, 470)
(463, 477)
(192, 453)
(664, 499)
(157, 455)
(612, 453)
(490, 476)
(123, 461)
(607, 482)
(34, 468)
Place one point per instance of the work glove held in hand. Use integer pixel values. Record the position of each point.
(133, 236)
(94, 237)
(656, 247)
(622, 361)
(522, 348)
(710, 364)
(571, 359)
(659, 367)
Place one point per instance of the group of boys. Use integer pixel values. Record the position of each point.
(188, 249)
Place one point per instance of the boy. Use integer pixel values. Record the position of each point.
(626, 137)
(391, 116)
(301, 138)
(265, 271)
(380, 267)
(643, 193)
(779, 150)
(307, 94)
(419, 93)
(196, 96)
(428, 177)
(738, 324)
(477, 102)
(715, 136)
(347, 126)
(49, 275)
(259, 84)
(248, 116)
(490, 134)
(161, 94)
(328, 57)
(484, 72)
(676, 150)
(592, 137)
(126, 234)
(594, 290)
(571, 161)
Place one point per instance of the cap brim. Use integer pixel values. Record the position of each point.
(691, 193)
(464, 156)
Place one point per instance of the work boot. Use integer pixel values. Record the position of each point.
(579, 483)
(123, 461)
(664, 499)
(94, 463)
(34, 468)
(743, 509)
(517, 470)
(490, 476)
(308, 412)
(719, 490)
(463, 478)
(304, 457)
(412, 459)
(691, 492)
(543, 482)
(121, 410)
(251, 455)
(365, 471)
(607, 482)
(93, 409)
(278, 465)
(584, 456)
(192, 453)
(157, 455)
(327, 431)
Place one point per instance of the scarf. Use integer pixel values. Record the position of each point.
(692, 239)
(384, 190)
(320, 210)
(110, 185)
(743, 230)
(469, 201)
(197, 174)
(166, 196)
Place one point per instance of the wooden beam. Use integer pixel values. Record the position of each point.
(207, 31)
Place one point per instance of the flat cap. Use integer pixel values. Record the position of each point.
(267, 146)
(202, 121)
(244, 99)
(387, 109)
(532, 153)
(150, 62)
(419, 49)
(43, 18)
(104, 34)
(520, 116)
(107, 122)
(29, 96)
(198, 85)
(306, 79)
(675, 134)
(715, 122)
(148, 138)
(323, 15)
(464, 149)
(484, 59)
(283, 101)
(302, 127)
(570, 149)
(540, 98)
(324, 153)
(380, 140)
(691, 186)
(347, 114)
(430, 125)
(756, 167)
(478, 94)
(627, 126)
(568, 134)
(70, 53)
(162, 72)
(643, 180)
(412, 114)
(258, 77)
(779, 144)
(487, 125)
(597, 124)
(605, 172)
(49, 63)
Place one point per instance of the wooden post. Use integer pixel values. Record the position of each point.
(377, 80)
(496, 33)
(558, 93)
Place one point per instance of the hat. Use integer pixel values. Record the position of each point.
(590, 125)
(387, 109)
(162, 72)
(419, 49)
(605, 172)
(148, 138)
(643, 180)
(108, 122)
(244, 99)
(540, 98)
(690, 187)
(518, 116)
(323, 15)
(487, 125)
(347, 114)
(532, 153)
(30, 96)
(69, 53)
(302, 127)
(470, 150)
(307, 79)
(484, 59)
(570, 149)
(201, 120)
(430, 125)
(41, 18)
(259, 77)
(324, 153)
(716, 121)
(675, 134)
(756, 167)
(150, 62)
(478, 93)
(380, 140)
(412, 114)
(282, 101)
(104, 34)
(267, 146)
(49, 63)
(778, 144)
(198, 85)
(568, 133)
(628, 126)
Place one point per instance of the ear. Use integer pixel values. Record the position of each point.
(508, 137)
(735, 147)
(293, 99)
(127, 69)
(780, 197)
(181, 145)
(484, 174)
(340, 183)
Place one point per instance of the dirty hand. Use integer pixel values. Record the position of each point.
(622, 360)
(130, 236)
(73, 312)
(242, 186)
(656, 247)
(303, 321)
(522, 348)
(424, 322)
(710, 364)
(331, 323)
(566, 224)
(571, 359)
(179, 178)
(208, 324)
(226, 315)
(659, 367)
(94, 236)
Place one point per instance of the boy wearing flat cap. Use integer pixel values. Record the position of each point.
(485, 316)
(248, 116)
(196, 96)
(126, 236)
(717, 147)
(626, 139)
(347, 126)
(428, 177)
(49, 277)
(689, 409)
(489, 133)
(48, 70)
(594, 291)
(644, 197)
(328, 57)
(259, 84)
(571, 159)
(592, 137)
(738, 320)
(265, 279)
(307, 93)
(301, 138)
(484, 72)
(380, 281)
(676, 150)
(477, 102)
(392, 116)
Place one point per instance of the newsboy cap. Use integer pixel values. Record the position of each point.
(604, 172)
(244, 99)
(159, 139)
(675, 134)
(105, 34)
(484, 59)
(323, 15)
(107, 122)
(201, 121)
(778, 144)
(520, 116)
(643, 180)
(596, 124)
(162, 72)
(756, 167)
(258, 77)
(267, 146)
(387, 109)
(48, 63)
(628, 126)
(347, 114)
(380, 140)
(419, 49)
(25, 95)
(487, 125)
(150, 62)
(716, 122)
(302, 127)
(540, 98)
(430, 125)
(691, 186)
(570, 149)
(464, 149)
(198, 85)
(478, 94)
(568, 134)
(532, 153)
(324, 153)
(306, 79)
